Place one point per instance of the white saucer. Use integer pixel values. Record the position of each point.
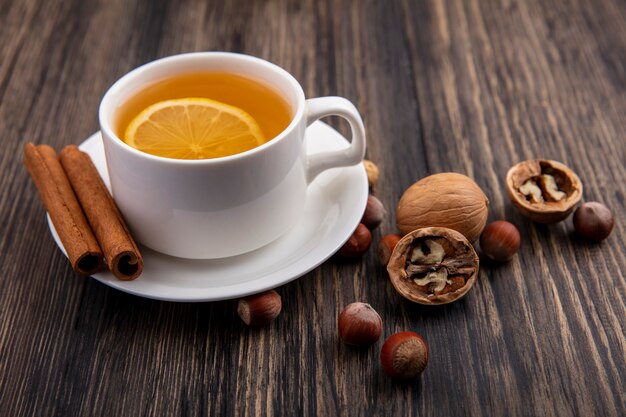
(335, 203)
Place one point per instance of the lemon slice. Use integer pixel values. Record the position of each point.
(193, 128)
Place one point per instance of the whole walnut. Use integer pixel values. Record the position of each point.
(449, 200)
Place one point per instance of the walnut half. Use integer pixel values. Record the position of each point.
(543, 190)
(433, 265)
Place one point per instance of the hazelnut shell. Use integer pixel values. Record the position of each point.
(500, 241)
(259, 309)
(358, 243)
(386, 246)
(447, 199)
(405, 285)
(374, 213)
(549, 211)
(404, 355)
(593, 221)
(359, 324)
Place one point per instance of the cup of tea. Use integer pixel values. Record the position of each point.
(206, 155)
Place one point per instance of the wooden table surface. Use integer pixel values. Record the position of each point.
(467, 86)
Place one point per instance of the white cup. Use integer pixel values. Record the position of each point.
(215, 208)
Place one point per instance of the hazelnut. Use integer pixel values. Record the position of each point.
(357, 244)
(359, 325)
(500, 241)
(259, 309)
(386, 245)
(593, 221)
(374, 213)
(404, 355)
(433, 265)
(444, 200)
(372, 172)
(543, 190)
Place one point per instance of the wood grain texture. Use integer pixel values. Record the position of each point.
(469, 86)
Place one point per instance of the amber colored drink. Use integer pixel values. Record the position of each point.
(271, 111)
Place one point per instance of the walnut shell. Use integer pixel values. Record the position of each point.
(451, 255)
(449, 200)
(547, 209)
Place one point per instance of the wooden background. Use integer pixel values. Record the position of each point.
(469, 86)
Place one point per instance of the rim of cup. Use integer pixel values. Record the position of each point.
(106, 113)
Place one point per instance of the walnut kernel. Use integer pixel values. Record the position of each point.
(372, 172)
(550, 188)
(531, 190)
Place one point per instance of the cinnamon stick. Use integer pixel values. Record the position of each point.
(65, 212)
(120, 251)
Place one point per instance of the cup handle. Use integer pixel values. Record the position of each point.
(319, 107)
